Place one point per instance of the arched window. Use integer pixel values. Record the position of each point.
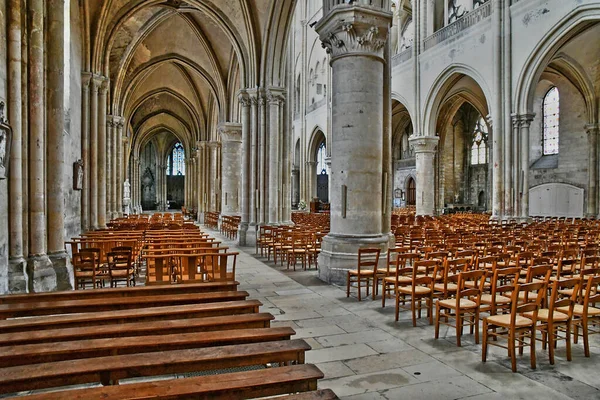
(479, 146)
(550, 112)
(321, 166)
(176, 161)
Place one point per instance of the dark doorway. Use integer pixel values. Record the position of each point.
(411, 192)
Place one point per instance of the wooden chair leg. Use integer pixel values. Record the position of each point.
(532, 345)
(437, 320)
(458, 327)
(484, 342)
(348, 286)
(512, 351)
(568, 340)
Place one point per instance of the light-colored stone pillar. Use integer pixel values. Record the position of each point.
(231, 167)
(102, 154)
(17, 281)
(525, 124)
(501, 190)
(311, 167)
(86, 78)
(119, 177)
(42, 276)
(201, 172)
(425, 149)
(262, 159)
(592, 132)
(295, 186)
(55, 146)
(244, 189)
(214, 171)
(253, 171)
(110, 127)
(355, 37)
(137, 199)
(512, 170)
(96, 82)
(275, 97)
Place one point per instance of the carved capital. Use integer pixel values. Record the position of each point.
(354, 30)
(276, 96)
(103, 85)
(424, 144)
(213, 145)
(526, 119)
(86, 80)
(244, 98)
(230, 132)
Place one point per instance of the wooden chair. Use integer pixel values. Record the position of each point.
(584, 312)
(368, 260)
(418, 290)
(120, 268)
(502, 284)
(514, 327)
(402, 274)
(552, 321)
(90, 261)
(465, 306)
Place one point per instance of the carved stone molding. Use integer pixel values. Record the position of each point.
(230, 132)
(354, 31)
(424, 144)
(276, 96)
(244, 98)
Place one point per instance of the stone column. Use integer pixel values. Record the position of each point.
(231, 167)
(102, 154)
(135, 172)
(86, 78)
(425, 149)
(592, 132)
(93, 142)
(201, 171)
(42, 276)
(512, 170)
(262, 160)
(311, 167)
(254, 135)
(295, 186)
(17, 282)
(55, 147)
(355, 37)
(214, 170)
(275, 96)
(525, 124)
(245, 149)
(110, 128)
(119, 177)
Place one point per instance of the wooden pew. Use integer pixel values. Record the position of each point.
(87, 348)
(236, 385)
(243, 321)
(90, 319)
(79, 306)
(203, 287)
(109, 370)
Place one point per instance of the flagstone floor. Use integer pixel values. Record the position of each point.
(364, 354)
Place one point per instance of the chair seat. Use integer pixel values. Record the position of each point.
(84, 274)
(544, 315)
(401, 279)
(420, 290)
(566, 292)
(451, 287)
(487, 299)
(578, 310)
(355, 272)
(504, 320)
(120, 273)
(451, 303)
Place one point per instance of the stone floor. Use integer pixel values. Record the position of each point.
(364, 354)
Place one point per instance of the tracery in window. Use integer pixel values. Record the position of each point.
(550, 112)
(176, 161)
(321, 166)
(479, 147)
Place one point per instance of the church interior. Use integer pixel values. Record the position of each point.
(308, 199)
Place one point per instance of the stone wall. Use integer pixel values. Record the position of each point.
(73, 127)
(3, 182)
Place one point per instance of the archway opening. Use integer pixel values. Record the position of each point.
(176, 177)
(411, 192)
(403, 156)
(322, 174)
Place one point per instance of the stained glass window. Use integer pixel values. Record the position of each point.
(551, 119)
(176, 161)
(479, 147)
(321, 166)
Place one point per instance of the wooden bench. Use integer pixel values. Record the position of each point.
(203, 287)
(109, 370)
(242, 321)
(78, 306)
(236, 385)
(11, 356)
(129, 316)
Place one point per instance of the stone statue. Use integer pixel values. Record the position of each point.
(126, 189)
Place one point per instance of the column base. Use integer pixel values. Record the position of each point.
(17, 275)
(41, 274)
(63, 269)
(340, 254)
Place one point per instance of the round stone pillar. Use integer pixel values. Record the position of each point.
(425, 149)
(245, 192)
(524, 135)
(592, 132)
(355, 37)
(214, 171)
(231, 167)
